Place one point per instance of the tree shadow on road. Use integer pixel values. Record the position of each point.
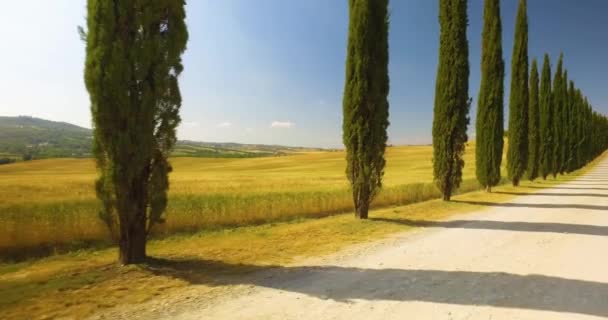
(504, 225)
(567, 188)
(345, 284)
(599, 195)
(534, 205)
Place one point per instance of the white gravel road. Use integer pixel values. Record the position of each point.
(541, 256)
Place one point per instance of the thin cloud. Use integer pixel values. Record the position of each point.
(224, 125)
(282, 124)
(189, 124)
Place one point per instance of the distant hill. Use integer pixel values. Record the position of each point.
(24, 137)
(27, 136)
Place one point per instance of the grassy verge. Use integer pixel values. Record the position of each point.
(82, 283)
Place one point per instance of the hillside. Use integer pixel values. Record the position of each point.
(24, 137)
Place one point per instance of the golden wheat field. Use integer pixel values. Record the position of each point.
(55, 202)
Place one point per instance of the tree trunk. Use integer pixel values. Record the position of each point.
(362, 211)
(447, 192)
(515, 182)
(489, 189)
(132, 243)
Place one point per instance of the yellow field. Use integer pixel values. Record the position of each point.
(55, 202)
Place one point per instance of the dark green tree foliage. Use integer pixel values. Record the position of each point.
(558, 136)
(587, 131)
(133, 59)
(365, 102)
(599, 135)
(489, 126)
(534, 124)
(571, 163)
(546, 121)
(517, 155)
(565, 145)
(452, 102)
(580, 129)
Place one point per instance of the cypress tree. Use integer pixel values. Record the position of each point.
(546, 121)
(490, 120)
(452, 102)
(565, 145)
(534, 125)
(571, 122)
(517, 155)
(588, 131)
(365, 102)
(580, 127)
(558, 136)
(133, 59)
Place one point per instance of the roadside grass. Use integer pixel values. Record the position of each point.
(54, 199)
(82, 283)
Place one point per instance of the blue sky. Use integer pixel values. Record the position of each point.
(272, 71)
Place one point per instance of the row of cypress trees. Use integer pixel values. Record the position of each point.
(552, 128)
(570, 134)
(545, 135)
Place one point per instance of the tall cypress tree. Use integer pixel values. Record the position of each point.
(587, 132)
(580, 129)
(490, 120)
(558, 136)
(534, 124)
(365, 102)
(565, 145)
(452, 100)
(133, 59)
(517, 155)
(546, 121)
(571, 123)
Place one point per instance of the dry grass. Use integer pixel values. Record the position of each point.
(80, 284)
(54, 199)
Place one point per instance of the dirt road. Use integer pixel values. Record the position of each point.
(541, 256)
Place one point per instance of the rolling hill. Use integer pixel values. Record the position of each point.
(28, 137)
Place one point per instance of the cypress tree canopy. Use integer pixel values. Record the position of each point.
(365, 102)
(133, 59)
(517, 155)
(534, 124)
(546, 121)
(564, 147)
(558, 136)
(571, 163)
(580, 129)
(489, 125)
(452, 102)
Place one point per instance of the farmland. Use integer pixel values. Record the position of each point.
(54, 199)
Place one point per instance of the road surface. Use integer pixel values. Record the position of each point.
(541, 256)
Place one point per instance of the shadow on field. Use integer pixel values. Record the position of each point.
(343, 284)
(534, 205)
(599, 195)
(503, 225)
